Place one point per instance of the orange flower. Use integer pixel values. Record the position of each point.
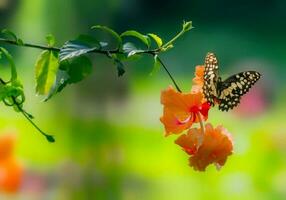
(204, 149)
(6, 146)
(10, 169)
(181, 110)
(11, 173)
(198, 81)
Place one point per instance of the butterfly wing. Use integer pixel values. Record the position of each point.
(231, 90)
(210, 78)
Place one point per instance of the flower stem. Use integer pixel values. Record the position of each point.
(169, 74)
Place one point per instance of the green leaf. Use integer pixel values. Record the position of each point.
(120, 68)
(72, 49)
(50, 138)
(51, 40)
(45, 70)
(60, 83)
(119, 65)
(70, 71)
(157, 39)
(156, 66)
(83, 44)
(11, 62)
(9, 91)
(130, 49)
(10, 33)
(20, 42)
(79, 69)
(90, 41)
(145, 39)
(13, 36)
(187, 26)
(166, 48)
(111, 32)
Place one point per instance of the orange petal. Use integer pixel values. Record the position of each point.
(6, 146)
(174, 124)
(178, 109)
(196, 88)
(212, 147)
(198, 81)
(191, 141)
(173, 99)
(216, 147)
(11, 175)
(180, 102)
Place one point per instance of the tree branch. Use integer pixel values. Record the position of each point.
(99, 51)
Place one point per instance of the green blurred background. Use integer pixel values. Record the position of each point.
(110, 142)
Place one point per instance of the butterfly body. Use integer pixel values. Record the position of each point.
(226, 93)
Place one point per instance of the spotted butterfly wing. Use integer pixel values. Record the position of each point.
(210, 78)
(226, 93)
(231, 90)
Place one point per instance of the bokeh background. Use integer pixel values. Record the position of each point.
(110, 143)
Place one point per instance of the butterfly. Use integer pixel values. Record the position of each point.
(226, 93)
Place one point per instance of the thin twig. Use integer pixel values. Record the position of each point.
(3, 40)
(28, 116)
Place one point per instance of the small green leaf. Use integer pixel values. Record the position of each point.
(90, 41)
(83, 44)
(157, 39)
(70, 71)
(79, 69)
(11, 62)
(45, 70)
(110, 31)
(120, 68)
(119, 65)
(51, 40)
(50, 138)
(20, 42)
(60, 83)
(72, 49)
(156, 66)
(8, 91)
(145, 39)
(13, 36)
(187, 26)
(170, 46)
(11, 92)
(134, 52)
(10, 33)
(130, 49)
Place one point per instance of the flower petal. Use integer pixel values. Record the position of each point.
(173, 99)
(191, 141)
(175, 124)
(211, 148)
(7, 143)
(198, 81)
(11, 175)
(180, 108)
(180, 101)
(216, 147)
